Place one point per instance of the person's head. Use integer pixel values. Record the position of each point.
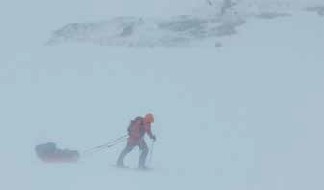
(149, 118)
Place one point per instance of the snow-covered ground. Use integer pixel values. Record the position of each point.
(247, 115)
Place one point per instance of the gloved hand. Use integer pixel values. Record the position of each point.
(154, 138)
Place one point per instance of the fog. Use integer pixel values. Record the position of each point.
(240, 110)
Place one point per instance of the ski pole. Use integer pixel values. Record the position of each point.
(151, 152)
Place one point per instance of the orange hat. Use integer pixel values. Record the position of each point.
(149, 118)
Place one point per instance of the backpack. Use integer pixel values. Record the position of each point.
(131, 125)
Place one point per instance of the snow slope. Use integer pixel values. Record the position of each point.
(244, 116)
(209, 22)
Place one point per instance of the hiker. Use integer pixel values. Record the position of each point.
(136, 131)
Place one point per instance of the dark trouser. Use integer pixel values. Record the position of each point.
(129, 147)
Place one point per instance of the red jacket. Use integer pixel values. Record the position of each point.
(137, 129)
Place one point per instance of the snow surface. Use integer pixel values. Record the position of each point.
(248, 115)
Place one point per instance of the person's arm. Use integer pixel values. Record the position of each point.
(149, 132)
